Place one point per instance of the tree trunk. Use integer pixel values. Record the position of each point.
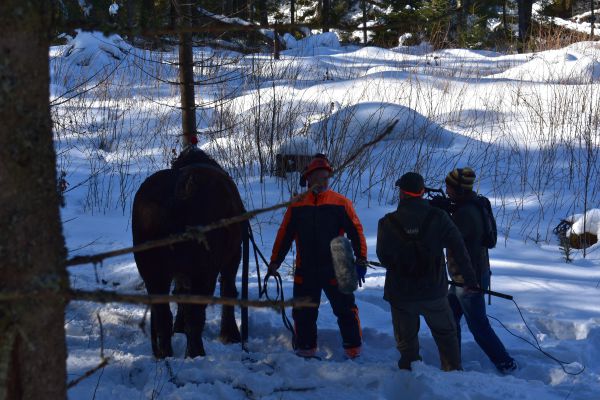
(130, 8)
(592, 20)
(524, 21)
(32, 248)
(262, 12)
(325, 14)
(292, 12)
(364, 20)
(186, 77)
(276, 47)
(147, 14)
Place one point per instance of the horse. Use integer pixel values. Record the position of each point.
(195, 191)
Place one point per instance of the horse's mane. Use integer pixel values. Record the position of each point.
(193, 155)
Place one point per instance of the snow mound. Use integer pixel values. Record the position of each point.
(94, 48)
(298, 145)
(376, 53)
(468, 53)
(321, 44)
(590, 224)
(565, 66)
(418, 50)
(355, 125)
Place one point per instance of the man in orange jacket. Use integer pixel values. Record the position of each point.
(312, 222)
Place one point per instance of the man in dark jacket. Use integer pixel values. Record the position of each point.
(410, 242)
(468, 217)
(313, 221)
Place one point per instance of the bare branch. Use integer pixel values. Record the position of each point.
(89, 373)
(103, 296)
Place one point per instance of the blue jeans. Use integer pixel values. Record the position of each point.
(472, 306)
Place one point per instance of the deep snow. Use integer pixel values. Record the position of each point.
(456, 107)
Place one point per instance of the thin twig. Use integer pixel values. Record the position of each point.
(142, 323)
(101, 336)
(83, 246)
(365, 146)
(89, 373)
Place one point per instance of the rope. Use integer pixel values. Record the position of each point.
(263, 290)
(279, 297)
(535, 345)
(256, 254)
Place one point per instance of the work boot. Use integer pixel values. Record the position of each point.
(353, 352)
(404, 364)
(507, 367)
(306, 353)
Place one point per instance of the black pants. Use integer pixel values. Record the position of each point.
(343, 306)
(438, 316)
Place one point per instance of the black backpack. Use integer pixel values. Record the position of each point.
(416, 260)
(490, 230)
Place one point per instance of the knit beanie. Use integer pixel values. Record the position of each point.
(411, 184)
(461, 178)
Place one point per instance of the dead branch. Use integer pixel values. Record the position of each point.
(170, 240)
(365, 146)
(104, 296)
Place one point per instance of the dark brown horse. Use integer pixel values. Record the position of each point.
(195, 191)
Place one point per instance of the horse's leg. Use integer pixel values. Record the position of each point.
(161, 320)
(229, 329)
(194, 315)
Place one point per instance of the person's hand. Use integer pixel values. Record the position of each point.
(273, 267)
(361, 270)
(472, 289)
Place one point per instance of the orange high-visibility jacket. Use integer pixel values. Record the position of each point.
(313, 222)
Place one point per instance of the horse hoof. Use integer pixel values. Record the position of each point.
(162, 348)
(160, 354)
(194, 351)
(229, 338)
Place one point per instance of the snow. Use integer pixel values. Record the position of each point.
(89, 48)
(559, 66)
(516, 119)
(590, 222)
(322, 43)
(113, 9)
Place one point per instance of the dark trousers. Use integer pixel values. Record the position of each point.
(438, 316)
(472, 306)
(343, 306)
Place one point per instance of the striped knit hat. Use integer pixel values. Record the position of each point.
(461, 178)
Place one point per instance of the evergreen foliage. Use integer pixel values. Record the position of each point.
(477, 24)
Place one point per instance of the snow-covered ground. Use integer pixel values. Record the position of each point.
(522, 121)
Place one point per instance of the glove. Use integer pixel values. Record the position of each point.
(361, 270)
(273, 267)
(472, 289)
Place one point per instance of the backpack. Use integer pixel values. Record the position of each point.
(490, 230)
(415, 260)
